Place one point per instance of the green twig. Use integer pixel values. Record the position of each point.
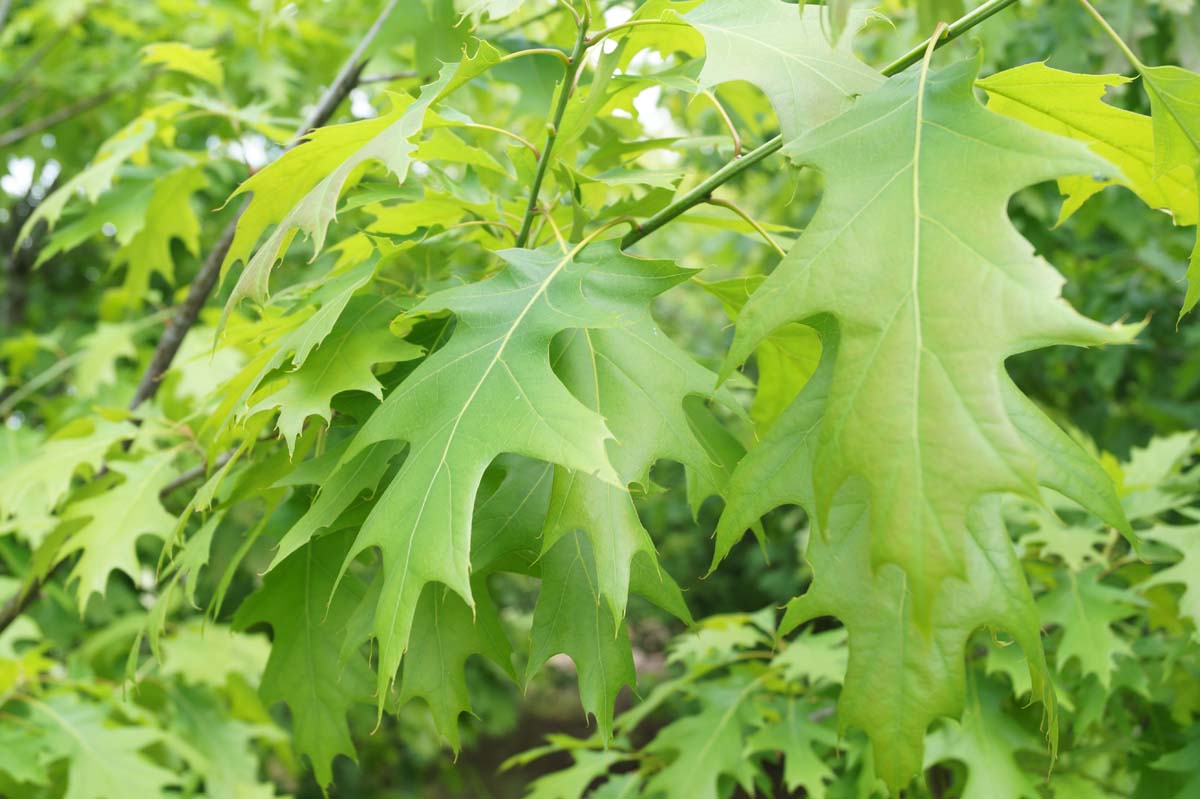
(703, 191)
(574, 62)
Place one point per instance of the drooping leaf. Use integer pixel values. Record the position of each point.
(308, 609)
(911, 420)
(495, 366)
(446, 633)
(572, 617)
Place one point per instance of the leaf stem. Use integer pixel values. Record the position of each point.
(751, 221)
(502, 132)
(725, 118)
(559, 54)
(1112, 34)
(574, 63)
(604, 34)
(703, 191)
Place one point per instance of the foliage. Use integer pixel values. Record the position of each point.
(473, 427)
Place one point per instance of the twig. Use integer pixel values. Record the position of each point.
(751, 221)
(405, 75)
(721, 112)
(703, 191)
(186, 314)
(50, 120)
(574, 62)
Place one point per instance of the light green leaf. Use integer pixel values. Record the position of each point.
(788, 55)
(1073, 105)
(344, 361)
(43, 480)
(1085, 609)
(116, 519)
(199, 62)
(915, 420)
(1186, 571)
(103, 761)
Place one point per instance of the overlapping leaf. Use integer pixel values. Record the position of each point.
(911, 420)
(788, 55)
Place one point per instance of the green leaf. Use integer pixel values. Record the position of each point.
(1085, 609)
(1186, 571)
(308, 610)
(103, 761)
(986, 741)
(299, 192)
(913, 420)
(786, 359)
(446, 633)
(495, 366)
(706, 746)
(199, 62)
(1073, 105)
(571, 617)
(344, 361)
(169, 216)
(116, 519)
(797, 737)
(1175, 105)
(808, 79)
(128, 143)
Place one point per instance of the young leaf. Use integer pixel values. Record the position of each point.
(300, 191)
(915, 420)
(1073, 105)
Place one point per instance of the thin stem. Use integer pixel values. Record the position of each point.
(559, 54)
(703, 191)
(952, 32)
(388, 78)
(1112, 34)
(545, 212)
(633, 23)
(501, 131)
(751, 221)
(570, 7)
(572, 71)
(733, 131)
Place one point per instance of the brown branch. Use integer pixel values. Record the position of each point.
(186, 314)
(61, 115)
